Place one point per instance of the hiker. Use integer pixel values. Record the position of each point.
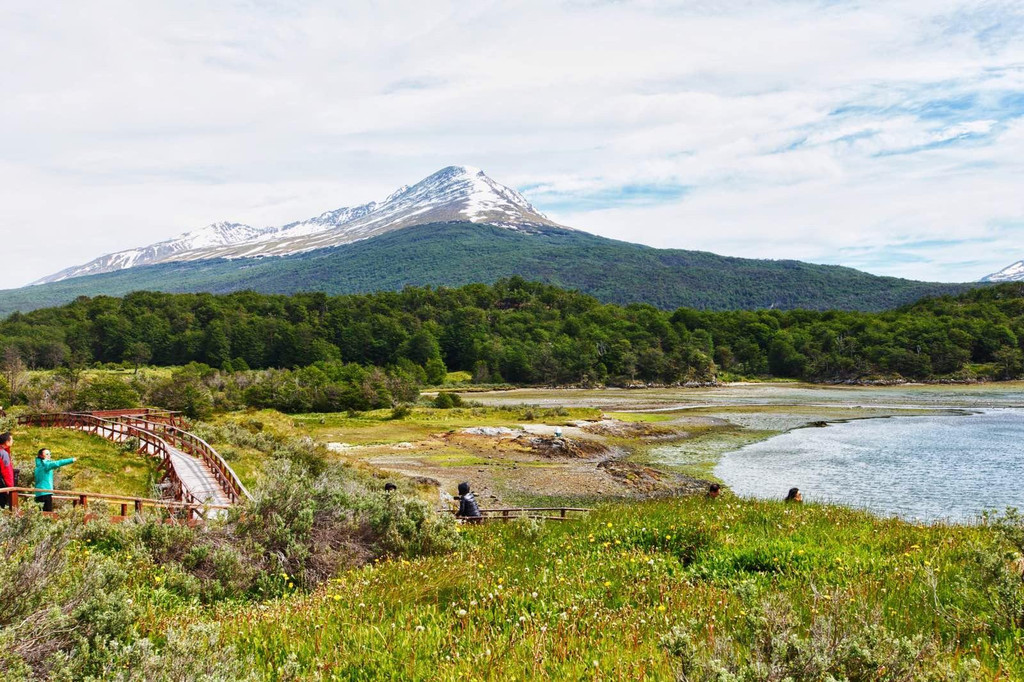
(468, 508)
(795, 496)
(6, 468)
(714, 490)
(44, 477)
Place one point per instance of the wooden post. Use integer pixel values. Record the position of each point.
(84, 501)
(563, 512)
(14, 500)
(138, 506)
(124, 509)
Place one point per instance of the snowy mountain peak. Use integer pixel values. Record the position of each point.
(1011, 273)
(454, 193)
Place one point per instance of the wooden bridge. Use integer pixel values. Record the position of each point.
(201, 483)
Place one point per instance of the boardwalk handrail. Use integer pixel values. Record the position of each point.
(506, 513)
(194, 445)
(80, 498)
(116, 431)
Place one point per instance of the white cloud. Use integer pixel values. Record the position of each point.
(868, 133)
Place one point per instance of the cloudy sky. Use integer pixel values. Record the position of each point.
(888, 136)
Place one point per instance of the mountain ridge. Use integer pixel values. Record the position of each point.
(458, 253)
(1011, 273)
(452, 193)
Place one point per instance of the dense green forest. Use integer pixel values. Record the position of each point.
(457, 254)
(524, 332)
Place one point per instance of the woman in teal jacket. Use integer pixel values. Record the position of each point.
(44, 476)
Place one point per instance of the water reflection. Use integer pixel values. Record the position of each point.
(922, 468)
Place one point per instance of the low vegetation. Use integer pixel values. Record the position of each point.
(325, 579)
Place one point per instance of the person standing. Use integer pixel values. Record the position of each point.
(6, 468)
(44, 477)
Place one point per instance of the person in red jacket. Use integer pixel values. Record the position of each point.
(6, 468)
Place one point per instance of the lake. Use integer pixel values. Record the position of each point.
(924, 468)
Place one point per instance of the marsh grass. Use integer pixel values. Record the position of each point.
(597, 600)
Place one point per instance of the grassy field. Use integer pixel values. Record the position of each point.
(683, 588)
(102, 466)
(642, 591)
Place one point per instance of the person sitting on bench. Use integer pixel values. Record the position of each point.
(468, 508)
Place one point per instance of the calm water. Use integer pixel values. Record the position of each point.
(923, 468)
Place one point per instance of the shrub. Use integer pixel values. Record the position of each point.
(840, 644)
(106, 392)
(446, 401)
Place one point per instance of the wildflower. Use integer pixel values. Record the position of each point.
(661, 608)
(533, 594)
(522, 619)
(420, 628)
(607, 583)
(462, 612)
(337, 597)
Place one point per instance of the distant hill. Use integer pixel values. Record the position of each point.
(458, 253)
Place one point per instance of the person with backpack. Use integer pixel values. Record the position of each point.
(44, 477)
(6, 468)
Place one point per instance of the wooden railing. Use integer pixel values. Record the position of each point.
(511, 513)
(197, 447)
(152, 414)
(128, 505)
(119, 432)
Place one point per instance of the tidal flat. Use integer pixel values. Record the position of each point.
(713, 421)
(584, 446)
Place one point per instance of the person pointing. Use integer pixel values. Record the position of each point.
(44, 477)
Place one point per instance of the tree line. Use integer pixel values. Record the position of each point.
(524, 332)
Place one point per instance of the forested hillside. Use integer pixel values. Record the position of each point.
(525, 332)
(456, 254)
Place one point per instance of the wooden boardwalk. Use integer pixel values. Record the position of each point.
(197, 477)
(196, 473)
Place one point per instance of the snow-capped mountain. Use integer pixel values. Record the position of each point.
(455, 193)
(1011, 273)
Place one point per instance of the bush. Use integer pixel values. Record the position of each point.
(446, 401)
(840, 644)
(106, 392)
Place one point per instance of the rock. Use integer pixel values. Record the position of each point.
(493, 431)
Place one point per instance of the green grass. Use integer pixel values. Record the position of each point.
(377, 426)
(103, 467)
(592, 599)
